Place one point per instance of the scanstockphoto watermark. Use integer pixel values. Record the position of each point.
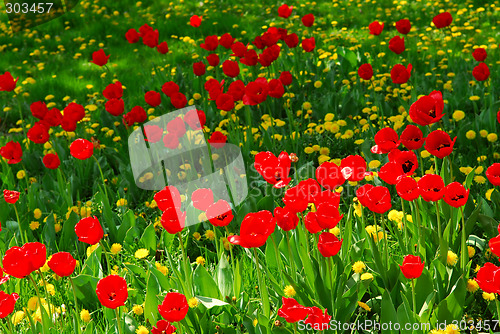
(371, 325)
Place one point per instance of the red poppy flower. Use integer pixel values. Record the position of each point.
(327, 215)
(112, 291)
(403, 26)
(328, 244)
(99, 58)
(311, 223)
(199, 68)
(439, 143)
(144, 29)
(276, 89)
(163, 327)
(442, 20)
(407, 188)
(171, 141)
(287, 219)
(220, 213)
(230, 68)
(406, 162)
(397, 45)
(195, 118)
(256, 92)
(390, 173)
(12, 152)
(376, 28)
(115, 107)
(481, 72)
(113, 91)
(317, 318)
(291, 310)
(168, 197)
(225, 102)
(169, 88)
(38, 133)
(217, 139)
(213, 59)
(7, 303)
(379, 199)
(136, 115)
(401, 74)
(292, 40)
(250, 59)
(89, 230)
(11, 196)
(202, 198)
(153, 133)
(214, 88)
(365, 71)
(53, 117)
(178, 100)
(427, 109)
(274, 169)
(412, 137)
(239, 49)
(308, 20)
(151, 38)
(361, 194)
(456, 195)
(329, 175)
(211, 43)
(308, 44)
(152, 98)
(62, 263)
(177, 127)
(310, 190)
(173, 220)
(226, 40)
(255, 228)
(236, 90)
(492, 173)
(81, 149)
(386, 140)
(479, 54)
(353, 168)
(488, 278)
(285, 11)
(174, 307)
(51, 161)
(412, 266)
(132, 36)
(39, 109)
(162, 48)
(296, 199)
(431, 187)
(16, 262)
(326, 196)
(195, 21)
(7, 82)
(286, 78)
(74, 112)
(494, 244)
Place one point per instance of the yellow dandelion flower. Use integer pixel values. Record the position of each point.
(364, 306)
(289, 291)
(210, 235)
(18, 317)
(488, 194)
(358, 267)
(37, 213)
(141, 330)
(366, 277)
(458, 115)
(451, 258)
(197, 236)
(141, 253)
(489, 296)
(121, 202)
(471, 134)
(116, 248)
(200, 260)
(492, 137)
(472, 286)
(471, 250)
(34, 225)
(193, 302)
(137, 309)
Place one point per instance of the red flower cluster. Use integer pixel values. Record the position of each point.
(22, 261)
(7, 82)
(255, 228)
(150, 37)
(293, 312)
(113, 93)
(12, 152)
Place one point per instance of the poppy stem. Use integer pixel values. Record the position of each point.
(413, 296)
(278, 259)
(291, 257)
(419, 230)
(118, 320)
(102, 176)
(230, 248)
(498, 307)
(465, 251)
(76, 304)
(9, 324)
(106, 256)
(47, 294)
(405, 223)
(386, 243)
(39, 299)
(295, 328)
(185, 262)
(262, 287)
(451, 169)
(19, 224)
(216, 243)
(440, 234)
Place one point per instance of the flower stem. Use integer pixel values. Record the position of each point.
(216, 243)
(386, 244)
(23, 237)
(47, 294)
(39, 299)
(185, 263)
(102, 176)
(498, 307)
(465, 252)
(440, 234)
(290, 256)
(106, 256)
(76, 304)
(419, 230)
(405, 223)
(118, 320)
(413, 297)
(9, 323)
(262, 287)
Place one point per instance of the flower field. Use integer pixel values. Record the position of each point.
(250, 167)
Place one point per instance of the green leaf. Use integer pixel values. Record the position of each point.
(451, 308)
(109, 218)
(469, 179)
(148, 239)
(225, 277)
(211, 302)
(68, 236)
(85, 286)
(388, 312)
(204, 284)
(151, 302)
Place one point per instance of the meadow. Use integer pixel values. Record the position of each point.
(260, 167)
